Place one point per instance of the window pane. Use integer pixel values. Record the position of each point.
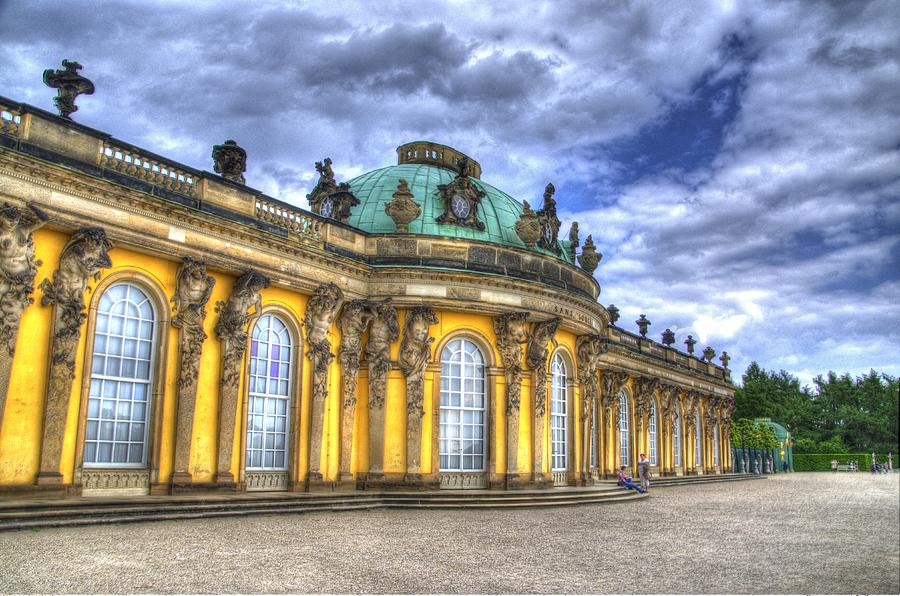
(462, 399)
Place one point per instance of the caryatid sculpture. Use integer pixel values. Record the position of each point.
(668, 397)
(81, 260)
(231, 329)
(17, 271)
(511, 331)
(612, 384)
(536, 355)
(353, 322)
(193, 287)
(321, 310)
(415, 354)
(384, 330)
(588, 350)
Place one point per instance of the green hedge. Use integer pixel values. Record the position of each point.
(821, 462)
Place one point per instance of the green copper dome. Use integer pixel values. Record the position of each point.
(497, 210)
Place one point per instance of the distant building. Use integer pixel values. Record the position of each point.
(416, 327)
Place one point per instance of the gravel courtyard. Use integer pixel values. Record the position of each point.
(798, 533)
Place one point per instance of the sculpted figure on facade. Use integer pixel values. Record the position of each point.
(353, 322)
(415, 353)
(385, 331)
(17, 269)
(549, 221)
(81, 260)
(613, 381)
(321, 311)
(589, 349)
(536, 354)
(231, 329)
(193, 287)
(511, 330)
(574, 243)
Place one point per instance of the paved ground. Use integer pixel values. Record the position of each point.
(800, 533)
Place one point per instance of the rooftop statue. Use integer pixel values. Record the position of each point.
(230, 161)
(549, 221)
(69, 85)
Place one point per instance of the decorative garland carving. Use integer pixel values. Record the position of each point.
(536, 354)
(17, 271)
(231, 329)
(461, 199)
(385, 331)
(81, 260)
(415, 353)
(511, 330)
(193, 287)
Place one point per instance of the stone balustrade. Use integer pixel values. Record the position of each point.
(156, 172)
(294, 220)
(10, 120)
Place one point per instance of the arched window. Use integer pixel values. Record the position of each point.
(716, 444)
(676, 433)
(698, 452)
(651, 434)
(624, 441)
(121, 376)
(463, 398)
(270, 394)
(559, 416)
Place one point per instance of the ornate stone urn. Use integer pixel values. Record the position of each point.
(403, 209)
(709, 353)
(529, 226)
(589, 258)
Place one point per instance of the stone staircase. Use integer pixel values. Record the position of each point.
(45, 513)
(664, 481)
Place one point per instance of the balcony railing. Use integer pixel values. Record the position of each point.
(10, 120)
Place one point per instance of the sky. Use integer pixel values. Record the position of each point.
(737, 163)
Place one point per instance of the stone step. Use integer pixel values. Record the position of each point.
(85, 512)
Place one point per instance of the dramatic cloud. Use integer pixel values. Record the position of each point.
(737, 163)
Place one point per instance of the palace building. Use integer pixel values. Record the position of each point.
(167, 329)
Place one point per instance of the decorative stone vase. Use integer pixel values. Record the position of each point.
(589, 258)
(709, 354)
(529, 226)
(403, 209)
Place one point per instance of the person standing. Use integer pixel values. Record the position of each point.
(644, 472)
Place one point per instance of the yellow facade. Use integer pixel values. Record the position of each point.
(150, 236)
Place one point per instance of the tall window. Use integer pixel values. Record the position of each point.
(623, 429)
(676, 433)
(270, 394)
(121, 375)
(716, 444)
(651, 434)
(559, 415)
(698, 452)
(463, 399)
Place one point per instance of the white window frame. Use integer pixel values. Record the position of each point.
(99, 380)
(698, 448)
(624, 430)
(559, 415)
(265, 405)
(716, 444)
(453, 417)
(651, 435)
(676, 434)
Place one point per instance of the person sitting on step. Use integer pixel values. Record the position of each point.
(626, 481)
